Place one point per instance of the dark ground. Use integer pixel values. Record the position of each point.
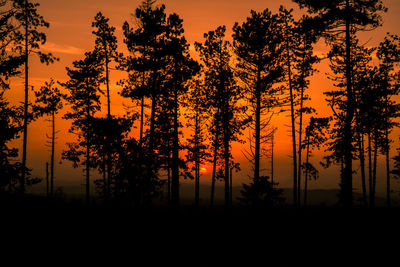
(39, 232)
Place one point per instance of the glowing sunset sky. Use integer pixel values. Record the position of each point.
(69, 36)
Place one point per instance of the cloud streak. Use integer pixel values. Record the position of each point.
(64, 49)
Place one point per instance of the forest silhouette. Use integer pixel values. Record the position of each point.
(186, 113)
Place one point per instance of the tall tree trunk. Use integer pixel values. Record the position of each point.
(197, 163)
(197, 184)
(53, 138)
(175, 156)
(374, 169)
(109, 167)
(306, 175)
(388, 188)
(141, 120)
(87, 170)
(108, 86)
(105, 185)
(387, 152)
(347, 177)
(142, 107)
(293, 126)
(231, 186)
(47, 179)
(226, 156)
(258, 131)
(26, 102)
(150, 155)
(370, 167)
(362, 166)
(216, 146)
(169, 179)
(300, 136)
(272, 159)
(87, 148)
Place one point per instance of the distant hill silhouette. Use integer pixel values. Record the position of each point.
(316, 197)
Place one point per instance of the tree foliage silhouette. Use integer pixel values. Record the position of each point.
(49, 102)
(27, 40)
(341, 21)
(315, 137)
(106, 48)
(222, 98)
(257, 44)
(299, 37)
(84, 99)
(197, 147)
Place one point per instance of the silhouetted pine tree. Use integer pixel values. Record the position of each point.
(147, 59)
(146, 67)
(376, 103)
(299, 37)
(106, 48)
(197, 147)
(389, 56)
(11, 117)
(264, 194)
(10, 59)
(49, 102)
(258, 46)
(109, 137)
(84, 100)
(223, 95)
(179, 70)
(315, 137)
(337, 99)
(11, 125)
(342, 20)
(27, 40)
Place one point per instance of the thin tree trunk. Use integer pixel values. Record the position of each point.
(231, 187)
(109, 178)
(272, 159)
(370, 168)
(87, 149)
(387, 152)
(142, 113)
(150, 160)
(108, 86)
(258, 131)
(197, 164)
(105, 191)
(141, 120)
(293, 126)
(26, 103)
(227, 157)
(306, 175)
(216, 146)
(300, 137)
(362, 166)
(53, 137)
(47, 179)
(374, 169)
(175, 156)
(87, 172)
(347, 178)
(388, 188)
(196, 185)
(169, 179)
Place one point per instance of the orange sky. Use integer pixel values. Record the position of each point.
(69, 36)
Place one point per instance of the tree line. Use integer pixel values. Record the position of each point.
(235, 86)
